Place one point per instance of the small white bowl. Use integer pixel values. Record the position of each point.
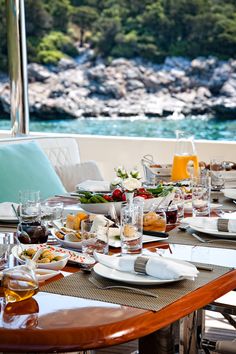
(66, 243)
(58, 265)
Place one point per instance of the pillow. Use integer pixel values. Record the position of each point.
(71, 175)
(25, 166)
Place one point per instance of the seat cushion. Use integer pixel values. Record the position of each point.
(25, 166)
(71, 175)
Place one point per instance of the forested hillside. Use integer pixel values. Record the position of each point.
(151, 29)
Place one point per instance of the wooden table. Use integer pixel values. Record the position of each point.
(50, 322)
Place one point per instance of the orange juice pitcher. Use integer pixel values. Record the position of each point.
(185, 162)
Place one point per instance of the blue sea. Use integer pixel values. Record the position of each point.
(202, 127)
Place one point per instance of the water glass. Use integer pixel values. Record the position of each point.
(131, 219)
(217, 168)
(19, 283)
(4, 250)
(94, 237)
(29, 207)
(201, 192)
(178, 200)
(51, 210)
(154, 220)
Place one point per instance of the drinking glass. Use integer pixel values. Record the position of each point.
(171, 214)
(217, 168)
(94, 237)
(51, 210)
(19, 283)
(201, 191)
(4, 250)
(178, 200)
(131, 220)
(31, 229)
(29, 206)
(154, 220)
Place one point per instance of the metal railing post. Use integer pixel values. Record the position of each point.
(17, 61)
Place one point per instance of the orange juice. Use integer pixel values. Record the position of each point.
(180, 167)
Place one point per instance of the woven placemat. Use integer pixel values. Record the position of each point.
(78, 285)
(185, 238)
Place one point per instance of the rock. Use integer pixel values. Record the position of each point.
(89, 87)
(134, 85)
(229, 88)
(224, 108)
(66, 64)
(38, 72)
(176, 63)
(203, 66)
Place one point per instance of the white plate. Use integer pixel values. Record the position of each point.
(220, 234)
(9, 219)
(188, 206)
(130, 278)
(45, 274)
(114, 242)
(230, 193)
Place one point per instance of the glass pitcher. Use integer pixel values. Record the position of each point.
(185, 162)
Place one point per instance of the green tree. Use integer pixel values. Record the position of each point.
(84, 17)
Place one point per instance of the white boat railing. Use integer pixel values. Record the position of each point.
(110, 151)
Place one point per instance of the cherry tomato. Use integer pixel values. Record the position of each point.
(108, 198)
(143, 196)
(117, 194)
(142, 191)
(124, 197)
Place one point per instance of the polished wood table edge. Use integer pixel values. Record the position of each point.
(139, 325)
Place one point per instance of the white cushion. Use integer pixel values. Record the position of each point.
(73, 174)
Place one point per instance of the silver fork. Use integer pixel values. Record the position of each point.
(138, 291)
(211, 241)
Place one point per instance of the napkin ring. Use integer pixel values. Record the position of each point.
(140, 264)
(222, 225)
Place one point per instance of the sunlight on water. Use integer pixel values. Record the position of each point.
(201, 126)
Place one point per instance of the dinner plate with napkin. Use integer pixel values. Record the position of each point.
(217, 226)
(143, 270)
(7, 213)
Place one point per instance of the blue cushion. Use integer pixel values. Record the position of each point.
(25, 166)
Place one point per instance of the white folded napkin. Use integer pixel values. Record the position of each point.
(93, 186)
(156, 266)
(6, 210)
(100, 221)
(211, 223)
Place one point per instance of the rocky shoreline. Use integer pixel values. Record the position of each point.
(125, 88)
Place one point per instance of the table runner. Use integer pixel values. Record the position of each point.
(78, 285)
(184, 238)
